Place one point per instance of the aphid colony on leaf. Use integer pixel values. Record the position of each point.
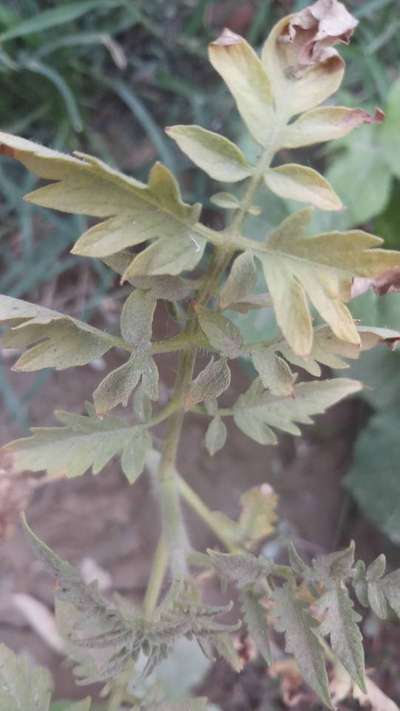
(149, 236)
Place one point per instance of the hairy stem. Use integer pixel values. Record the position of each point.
(173, 546)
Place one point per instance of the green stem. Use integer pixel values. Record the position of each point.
(157, 575)
(202, 510)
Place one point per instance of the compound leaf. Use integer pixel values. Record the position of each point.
(136, 212)
(216, 155)
(257, 410)
(298, 268)
(23, 686)
(56, 340)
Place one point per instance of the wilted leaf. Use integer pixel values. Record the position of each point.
(23, 686)
(298, 182)
(325, 124)
(210, 383)
(215, 435)
(241, 281)
(137, 317)
(118, 385)
(340, 622)
(222, 334)
(137, 212)
(255, 617)
(299, 58)
(242, 71)
(216, 155)
(57, 341)
(257, 410)
(299, 268)
(292, 617)
(84, 441)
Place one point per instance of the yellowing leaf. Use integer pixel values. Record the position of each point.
(242, 71)
(214, 154)
(296, 182)
(257, 411)
(325, 124)
(298, 268)
(241, 281)
(258, 515)
(274, 372)
(299, 58)
(57, 340)
(85, 185)
(83, 442)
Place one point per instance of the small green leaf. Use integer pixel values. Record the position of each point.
(210, 383)
(297, 182)
(222, 334)
(274, 372)
(171, 256)
(134, 454)
(241, 281)
(214, 154)
(226, 201)
(137, 317)
(255, 617)
(243, 569)
(258, 514)
(23, 687)
(291, 616)
(118, 385)
(216, 435)
(325, 124)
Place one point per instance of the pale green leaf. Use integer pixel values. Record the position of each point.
(340, 622)
(170, 288)
(136, 212)
(23, 687)
(298, 182)
(83, 442)
(216, 155)
(243, 569)
(255, 618)
(222, 334)
(166, 256)
(210, 383)
(137, 317)
(325, 124)
(226, 201)
(299, 86)
(274, 372)
(257, 410)
(320, 269)
(118, 385)
(242, 71)
(216, 435)
(291, 616)
(134, 454)
(241, 282)
(56, 340)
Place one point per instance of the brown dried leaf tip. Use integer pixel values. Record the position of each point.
(311, 33)
(227, 38)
